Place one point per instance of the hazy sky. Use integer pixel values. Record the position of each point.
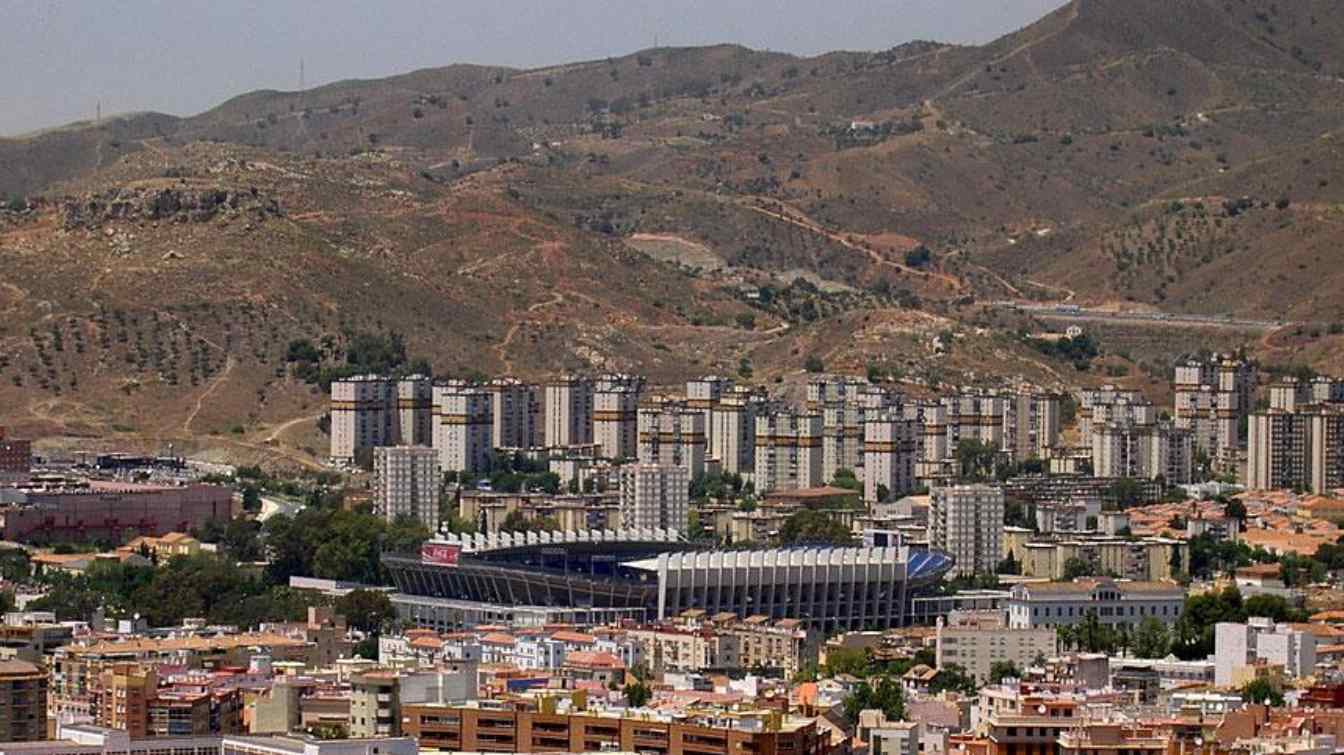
(59, 57)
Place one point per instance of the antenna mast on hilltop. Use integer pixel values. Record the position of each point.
(98, 114)
(301, 74)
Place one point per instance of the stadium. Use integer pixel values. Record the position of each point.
(827, 588)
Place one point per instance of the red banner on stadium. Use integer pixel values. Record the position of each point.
(440, 553)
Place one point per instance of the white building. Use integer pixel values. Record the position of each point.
(464, 428)
(1238, 646)
(406, 483)
(966, 522)
(415, 411)
(788, 452)
(615, 422)
(516, 414)
(361, 415)
(1114, 602)
(842, 439)
(976, 641)
(655, 496)
(705, 394)
(1211, 397)
(1126, 449)
(1030, 424)
(1298, 448)
(889, 448)
(569, 411)
(671, 434)
(732, 433)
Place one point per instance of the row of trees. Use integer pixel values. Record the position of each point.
(323, 540)
(1192, 636)
(206, 585)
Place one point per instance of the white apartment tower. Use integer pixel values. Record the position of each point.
(1211, 397)
(842, 439)
(569, 411)
(826, 391)
(406, 484)
(655, 496)
(1030, 424)
(415, 411)
(1098, 406)
(973, 416)
(1126, 449)
(705, 394)
(615, 422)
(465, 427)
(1302, 449)
(788, 451)
(515, 410)
(732, 439)
(966, 521)
(889, 446)
(672, 434)
(363, 415)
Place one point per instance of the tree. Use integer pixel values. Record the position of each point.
(852, 661)
(1076, 567)
(1194, 630)
(251, 499)
(1009, 566)
(1127, 493)
(1151, 639)
(637, 694)
(15, 565)
(241, 541)
(975, 460)
(920, 256)
(1262, 692)
(1000, 670)
(814, 527)
(1269, 606)
(368, 648)
(953, 677)
(365, 610)
(887, 696)
(844, 478)
(814, 364)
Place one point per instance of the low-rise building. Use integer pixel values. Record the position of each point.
(564, 728)
(1113, 601)
(976, 641)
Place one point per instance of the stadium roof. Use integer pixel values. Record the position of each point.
(918, 563)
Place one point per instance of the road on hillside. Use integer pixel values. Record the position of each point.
(1075, 312)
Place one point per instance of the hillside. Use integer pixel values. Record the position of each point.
(615, 214)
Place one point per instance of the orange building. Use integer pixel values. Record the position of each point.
(476, 729)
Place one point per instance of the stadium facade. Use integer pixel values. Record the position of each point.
(827, 588)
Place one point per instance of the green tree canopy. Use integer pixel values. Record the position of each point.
(1000, 670)
(365, 610)
(1151, 639)
(814, 527)
(886, 696)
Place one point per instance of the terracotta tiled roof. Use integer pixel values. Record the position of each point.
(590, 659)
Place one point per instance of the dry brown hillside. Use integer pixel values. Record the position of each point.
(623, 213)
